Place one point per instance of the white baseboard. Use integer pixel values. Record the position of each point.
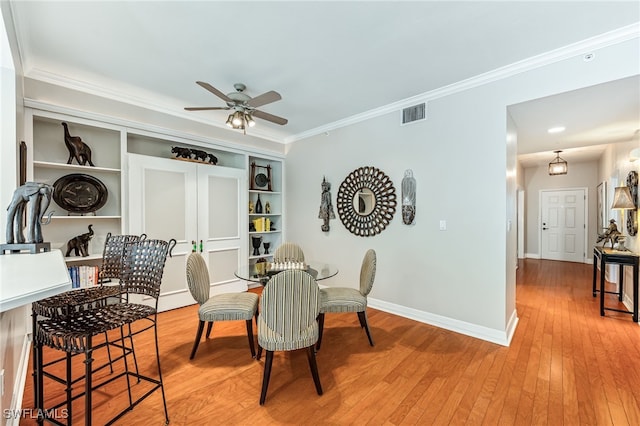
(501, 337)
(532, 255)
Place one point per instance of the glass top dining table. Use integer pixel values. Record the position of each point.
(319, 270)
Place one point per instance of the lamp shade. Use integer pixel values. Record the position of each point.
(622, 199)
(558, 166)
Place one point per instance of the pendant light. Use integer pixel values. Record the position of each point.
(558, 166)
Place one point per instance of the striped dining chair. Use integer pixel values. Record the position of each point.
(221, 307)
(288, 252)
(346, 299)
(287, 321)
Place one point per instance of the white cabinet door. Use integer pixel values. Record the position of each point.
(188, 202)
(221, 225)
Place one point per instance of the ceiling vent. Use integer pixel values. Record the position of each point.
(414, 113)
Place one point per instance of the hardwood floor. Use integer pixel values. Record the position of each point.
(566, 365)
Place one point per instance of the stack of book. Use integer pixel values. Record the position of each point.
(84, 276)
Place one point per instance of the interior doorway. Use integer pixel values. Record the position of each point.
(563, 224)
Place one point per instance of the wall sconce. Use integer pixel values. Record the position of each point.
(558, 166)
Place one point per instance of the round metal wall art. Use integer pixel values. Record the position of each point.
(358, 217)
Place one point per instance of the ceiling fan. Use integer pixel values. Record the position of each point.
(243, 106)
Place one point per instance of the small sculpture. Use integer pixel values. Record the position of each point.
(611, 234)
(212, 159)
(408, 197)
(267, 208)
(39, 194)
(251, 208)
(80, 244)
(266, 247)
(78, 150)
(199, 154)
(326, 208)
(256, 240)
(181, 152)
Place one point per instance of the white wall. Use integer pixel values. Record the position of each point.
(461, 278)
(579, 175)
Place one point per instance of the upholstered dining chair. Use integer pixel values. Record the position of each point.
(288, 252)
(345, 299)
(221, 307)
(287, 321)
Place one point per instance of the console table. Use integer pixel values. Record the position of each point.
(603, 256)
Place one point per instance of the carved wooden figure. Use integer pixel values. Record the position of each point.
(80, 244)
(78, 150)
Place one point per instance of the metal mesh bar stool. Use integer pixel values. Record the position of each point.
(76, 301)
(142, 269)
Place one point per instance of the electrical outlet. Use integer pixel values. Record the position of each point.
(443, 225)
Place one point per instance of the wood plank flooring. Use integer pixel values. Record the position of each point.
(566, 365)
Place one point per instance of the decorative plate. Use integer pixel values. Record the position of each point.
(80, 193)
(261, 180)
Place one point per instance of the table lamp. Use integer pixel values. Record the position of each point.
(622, 201)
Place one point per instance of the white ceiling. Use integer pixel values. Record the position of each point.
(330, 61)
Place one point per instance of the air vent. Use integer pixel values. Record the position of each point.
(414, 113)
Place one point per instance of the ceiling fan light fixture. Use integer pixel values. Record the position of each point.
(558, 166)
(237, 119)
(249, 120)
(230, 121)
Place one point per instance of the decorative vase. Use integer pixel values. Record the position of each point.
(266, 247)
(255, 242)
(258, 205)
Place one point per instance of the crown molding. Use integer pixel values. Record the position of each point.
(598, 42)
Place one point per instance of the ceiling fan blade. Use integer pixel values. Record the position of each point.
(214, 91)
(269, 117)
(204, 108)
(265, 98)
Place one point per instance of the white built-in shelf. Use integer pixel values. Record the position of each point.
(73, 167)
(76, 259)
(259, 256)
(264, 232)
(260, 191)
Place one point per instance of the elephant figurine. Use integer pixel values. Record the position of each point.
(39, 194)
(80, 244)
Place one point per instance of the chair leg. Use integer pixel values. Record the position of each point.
(198, 337)
(164, 398)
(40, 382)
(266, 376)
(88, 381)
(259, 352)
(311, 355)
(209, 327)
(250, 335)
(321, 329)
(362, 316)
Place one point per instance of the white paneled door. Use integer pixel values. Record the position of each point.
(190, 202)
(563, 225)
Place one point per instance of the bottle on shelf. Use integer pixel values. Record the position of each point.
(258, 205)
